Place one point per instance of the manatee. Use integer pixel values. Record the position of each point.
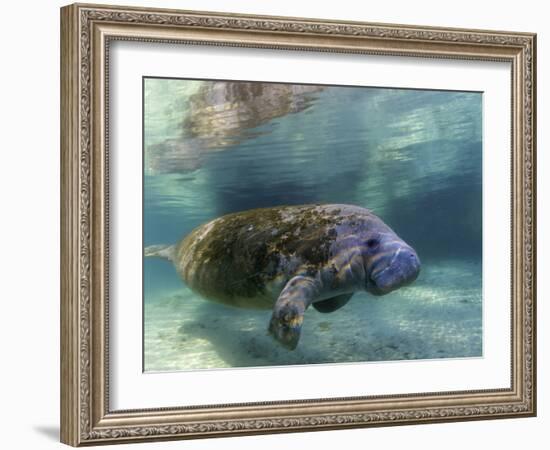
(287, 258)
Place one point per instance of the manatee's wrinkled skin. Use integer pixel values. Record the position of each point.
(222, 114)
(287, 258)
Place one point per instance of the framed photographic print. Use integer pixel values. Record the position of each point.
(276, 224)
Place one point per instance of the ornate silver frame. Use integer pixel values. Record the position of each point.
(86, 31)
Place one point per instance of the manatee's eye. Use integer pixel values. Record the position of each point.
(372, 243)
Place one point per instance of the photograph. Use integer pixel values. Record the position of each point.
(293, 224)
(279, 224)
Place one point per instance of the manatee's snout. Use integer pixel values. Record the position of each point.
(397, 268)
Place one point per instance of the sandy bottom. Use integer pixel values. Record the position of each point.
(440, 316)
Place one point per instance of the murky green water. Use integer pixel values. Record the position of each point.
(413, 157)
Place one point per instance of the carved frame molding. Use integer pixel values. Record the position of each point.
(86, 31)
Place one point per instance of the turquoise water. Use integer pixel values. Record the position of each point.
(414, 157)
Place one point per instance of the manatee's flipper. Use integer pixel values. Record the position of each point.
(160, 251)
(332, 304)
(288, 312)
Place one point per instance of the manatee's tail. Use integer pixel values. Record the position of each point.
(160, 251)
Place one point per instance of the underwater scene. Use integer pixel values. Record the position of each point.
(303, 224)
